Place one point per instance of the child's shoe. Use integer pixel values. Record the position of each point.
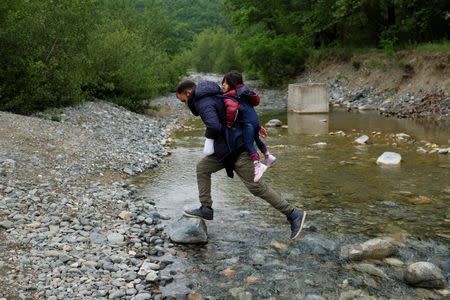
(260, 168)
(270, 160)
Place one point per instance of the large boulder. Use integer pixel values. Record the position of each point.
(424, 274)
(188, 231)
(372, 249)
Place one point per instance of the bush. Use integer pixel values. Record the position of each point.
(274, 59)
(215, 50)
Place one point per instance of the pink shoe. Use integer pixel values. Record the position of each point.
(260, 168)
(270, 160)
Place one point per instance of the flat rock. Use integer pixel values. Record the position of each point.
(362, 139)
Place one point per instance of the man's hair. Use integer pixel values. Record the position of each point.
(185, 85)
(233, 78)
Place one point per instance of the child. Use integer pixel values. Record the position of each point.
(239, 103)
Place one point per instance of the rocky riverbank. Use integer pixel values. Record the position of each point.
(407, 84)
(70, 224)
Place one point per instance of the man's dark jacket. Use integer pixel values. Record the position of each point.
(207, 102)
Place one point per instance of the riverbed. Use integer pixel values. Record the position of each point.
(349, 198)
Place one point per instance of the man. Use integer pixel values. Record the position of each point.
(229, 152)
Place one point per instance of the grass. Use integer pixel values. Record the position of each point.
(441, 46)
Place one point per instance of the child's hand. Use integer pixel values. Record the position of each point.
(262, 132)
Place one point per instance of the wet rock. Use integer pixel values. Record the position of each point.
(314, 297)
(188, 231)
(362, 139)
(274, 123)
(319, 144)
(389, 158)
(394, 262)
(240, 294)
(420, 200)
(370, 269)
(318, 245)
(355, 294)
(424, 274)
(402, 136)
(376, 248)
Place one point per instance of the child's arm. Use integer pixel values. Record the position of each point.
(249, 95)
(254, 99)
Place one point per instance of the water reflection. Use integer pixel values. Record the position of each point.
(307, 123)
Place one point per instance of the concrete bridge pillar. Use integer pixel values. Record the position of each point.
(308, 98)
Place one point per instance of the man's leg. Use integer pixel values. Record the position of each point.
(244, 169)
(205, 167)
(296, 218)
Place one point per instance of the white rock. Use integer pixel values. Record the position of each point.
(389, 158)
(320, 144)
(362, 139)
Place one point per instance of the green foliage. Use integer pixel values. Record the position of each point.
(57, 53)
(274, 59)
(215, 51)
(336, 24)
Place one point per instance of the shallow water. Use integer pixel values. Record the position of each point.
(350, 199)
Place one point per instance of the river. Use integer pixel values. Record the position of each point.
(349, 197)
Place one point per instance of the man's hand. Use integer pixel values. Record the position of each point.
(262, 132)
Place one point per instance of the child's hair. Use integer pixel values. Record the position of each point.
(185, 85)
(233, 78)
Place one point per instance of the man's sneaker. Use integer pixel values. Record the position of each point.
(270, 160)
(203, 212)
(296, 218)
(260, 168)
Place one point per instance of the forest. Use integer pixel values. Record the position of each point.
(57, 53)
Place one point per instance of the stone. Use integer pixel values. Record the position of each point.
(228, 272)
(319, 144)
(147, 267)
(125, 215)
(394, 262)
(143, 296)
(377, 248)
(318, 245)
(152, 276)
(424, 274)
(274, 123)
(252, 280)
(314, 297)
(362, 139)
(420, 200)
(188, 231)
(389, 158)
(370, 269)
(115, 238)
(240, 294)
(6, 224)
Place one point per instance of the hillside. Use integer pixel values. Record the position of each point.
(394, 84)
